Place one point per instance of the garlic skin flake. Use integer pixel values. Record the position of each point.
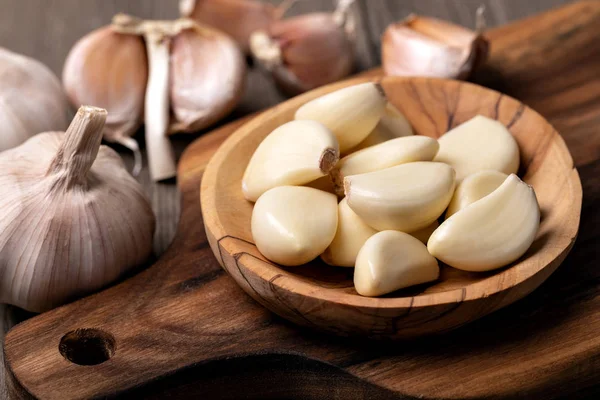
(31, 99)
(385, 155)
(393, 124)
(479, 144)
(473, 188)
(406, 197)
(291, 225)
(73, 218)
(295, 153)
(491, 232)
(350, 113)
(351, 235)
(392, 260)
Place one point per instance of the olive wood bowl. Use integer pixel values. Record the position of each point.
(323, 297)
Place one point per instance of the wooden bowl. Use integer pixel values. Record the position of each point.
(323, 297)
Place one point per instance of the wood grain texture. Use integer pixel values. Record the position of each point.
(185, 314)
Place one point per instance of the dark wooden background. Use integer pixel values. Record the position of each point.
(47, 29)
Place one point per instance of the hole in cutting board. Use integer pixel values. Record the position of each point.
(87, 346)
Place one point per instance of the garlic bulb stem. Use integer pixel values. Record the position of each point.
(80, 147)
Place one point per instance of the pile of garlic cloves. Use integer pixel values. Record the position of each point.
(407, 201)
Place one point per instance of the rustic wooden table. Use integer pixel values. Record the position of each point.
(47, 30)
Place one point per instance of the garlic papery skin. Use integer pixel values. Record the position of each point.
(307, 51)
(351, 113)
(491, 232)
(73, 220)
(393, 124)
(421, 46)
(351, 235)
(406, 197)
(295, 153)
(392, 260)
(385, 155)
(473, 188)
(425, 233)
(110, 70)
(31, 99)
(291, 225)
(479, 144)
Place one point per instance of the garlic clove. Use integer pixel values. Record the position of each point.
(351, 113)
(385, 155)
(110, 70)
(393, 124)
(207, 74)
(392, 260)
(351, 235)
(425, 233)
(473, 188)
(406, 197)
(479, 144)
(291, 225)
(295, 153)
(31, 99)
(491, 232)
(421, 46)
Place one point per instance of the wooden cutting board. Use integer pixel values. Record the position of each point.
(182, 329)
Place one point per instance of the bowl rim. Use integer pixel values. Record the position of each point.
(477, 290)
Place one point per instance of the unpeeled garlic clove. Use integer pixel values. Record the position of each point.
(351, 113)
(479, 144)
(392, 260)
(351, 235)
(291, 225)
(406, 197)
(490, 233)
(385, 155)
(473, 188)
(110, 70)
(425, 233)
(31, 99)
(307, 51)
(393, 124)
(295, 153)
(422, 46)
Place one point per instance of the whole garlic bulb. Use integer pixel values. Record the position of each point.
(307, 51)
(73, 219)
(31, 99)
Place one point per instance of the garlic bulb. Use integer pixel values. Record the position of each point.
(422, 46)
(31, 99)
(307, 51)
(295, 153)
(292, 225)
(393, 124)
(406, 197)
(351, 113)
(110, 70)
(391, 260)
(490, 233)
(473, 188)
(73, 219)
(479, 144)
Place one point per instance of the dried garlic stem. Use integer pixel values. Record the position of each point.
(80, 147)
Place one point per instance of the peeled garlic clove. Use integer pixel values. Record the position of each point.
(351, 235)
(207, 74)
(425, 233)
(296, 153)
(479, 144)
(393, 124)
(291, 225)
(391, 260)
(31, 99)
(73, 220)
(406, 197)
(421, 46)
(490, 233)
(351, 113)
(110, 70)
(473, 188)
(385, 155)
